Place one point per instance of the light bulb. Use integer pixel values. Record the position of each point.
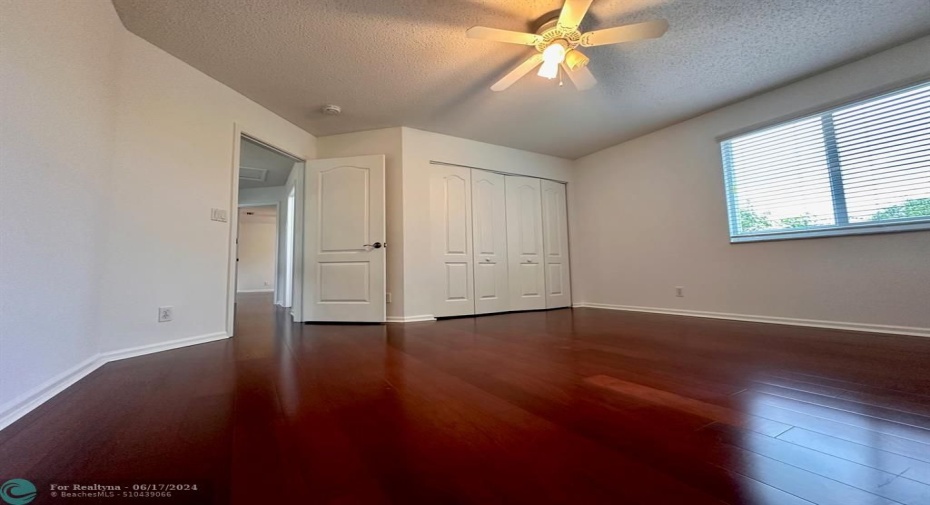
(549, 70)
(553, 55)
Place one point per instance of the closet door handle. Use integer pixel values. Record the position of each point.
(376, 245)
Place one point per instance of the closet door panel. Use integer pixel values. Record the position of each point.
(490, 242)
(525, 248)
(451, 241)
(555, 238)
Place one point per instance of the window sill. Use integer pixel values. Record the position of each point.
(863, 229)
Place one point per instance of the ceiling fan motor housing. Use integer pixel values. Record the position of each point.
(551, 31)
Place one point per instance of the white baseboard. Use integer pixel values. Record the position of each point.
(815, 323)
(410, 319)
(269, 290)
(27, 402)
(142, 350)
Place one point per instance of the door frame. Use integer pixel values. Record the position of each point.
(290, 238)
(233, 216)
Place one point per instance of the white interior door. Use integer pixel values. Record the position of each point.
(451, 241)
(345, 253)
(555, 239)
(525, 244)
(488, 196)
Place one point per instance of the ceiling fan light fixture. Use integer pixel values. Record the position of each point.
(575, 60)
(556, 42)
(553, 55)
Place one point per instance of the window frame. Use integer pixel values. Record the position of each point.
(835, 175)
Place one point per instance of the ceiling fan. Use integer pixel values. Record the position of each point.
(557, 42)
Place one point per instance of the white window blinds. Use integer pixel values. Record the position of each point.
(860, 168)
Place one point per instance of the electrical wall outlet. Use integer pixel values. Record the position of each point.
(165, 314)
(387, 298)
(679, 291)
(218, 215)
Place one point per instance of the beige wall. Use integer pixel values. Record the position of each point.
(257, 236)
(651, 215)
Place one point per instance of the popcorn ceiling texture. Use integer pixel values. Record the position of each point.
(408, 63)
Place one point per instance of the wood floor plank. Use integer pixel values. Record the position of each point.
(696, 407)
(914, 391)
(861, 420)
(860, 406)
(889, 462)
(878, 440)
(889, 485)
(886, 399)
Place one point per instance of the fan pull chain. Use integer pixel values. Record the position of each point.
(560, 77)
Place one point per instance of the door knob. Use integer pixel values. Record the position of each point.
(376, 245)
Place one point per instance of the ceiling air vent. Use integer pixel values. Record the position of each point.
(253, 174)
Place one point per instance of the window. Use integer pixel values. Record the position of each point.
(863, 167)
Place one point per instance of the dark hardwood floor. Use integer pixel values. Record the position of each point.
(568, 406)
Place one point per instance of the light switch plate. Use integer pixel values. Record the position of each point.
(218, 215)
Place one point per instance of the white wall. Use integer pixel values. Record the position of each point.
(651, 215)
(174, 124)
(386, 141)
(419, 148)
(58, 67)
(257, 248)
(118, 151)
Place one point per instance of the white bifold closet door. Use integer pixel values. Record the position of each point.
(451, 239)
(555, 234)
(525, 244)
(488, 194)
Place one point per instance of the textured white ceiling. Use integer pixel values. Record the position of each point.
(253, 155)
(408, 63)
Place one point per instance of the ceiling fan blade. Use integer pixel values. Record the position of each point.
(518, 72)
(485, 33)
(573, 12)
(581, 77)
(625, 33)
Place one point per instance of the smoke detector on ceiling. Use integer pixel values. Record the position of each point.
(331, 110)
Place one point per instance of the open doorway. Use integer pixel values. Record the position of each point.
(258, 250)
(267, 232)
